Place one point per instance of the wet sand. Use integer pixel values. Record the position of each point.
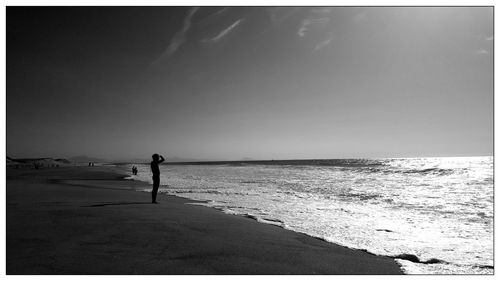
(88, 220)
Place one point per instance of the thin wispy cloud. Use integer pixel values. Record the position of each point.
(178, 38)
(222, 33)
(324, 43)
(316, 19)
(303, 27)
(215, 15)
(306, 23)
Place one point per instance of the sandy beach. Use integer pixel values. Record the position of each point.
(88, 220)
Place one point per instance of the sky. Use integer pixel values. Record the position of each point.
(227, 83)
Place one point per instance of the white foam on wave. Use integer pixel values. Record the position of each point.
(426, 212)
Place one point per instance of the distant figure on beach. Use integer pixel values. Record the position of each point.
(157, 159)
(134, 170)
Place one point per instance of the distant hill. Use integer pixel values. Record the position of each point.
(36, 162)
(63, 161)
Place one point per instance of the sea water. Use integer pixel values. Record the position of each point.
(439, 210)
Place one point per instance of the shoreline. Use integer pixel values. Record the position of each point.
(407, 257)
(81, 220)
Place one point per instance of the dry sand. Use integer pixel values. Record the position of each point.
(87, 220)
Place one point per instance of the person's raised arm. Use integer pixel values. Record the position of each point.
(161, 159)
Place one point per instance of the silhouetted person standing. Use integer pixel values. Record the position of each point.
(157, 159)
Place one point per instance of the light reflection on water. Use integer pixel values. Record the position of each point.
(439, 208)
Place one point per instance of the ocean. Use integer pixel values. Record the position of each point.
(434, 214)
